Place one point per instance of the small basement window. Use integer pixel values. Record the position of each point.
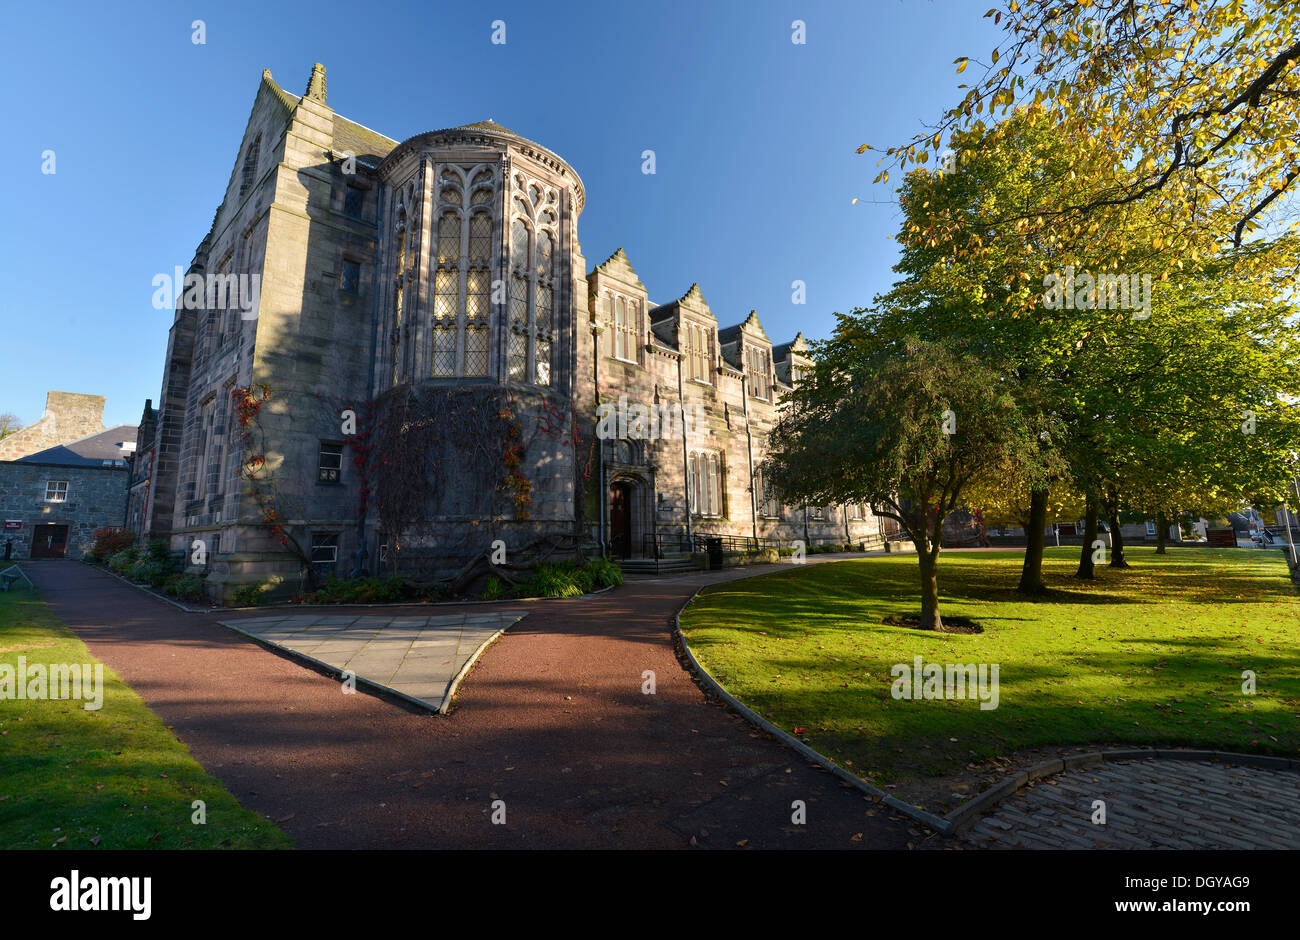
(325, 551)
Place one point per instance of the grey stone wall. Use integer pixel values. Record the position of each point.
(96, 498)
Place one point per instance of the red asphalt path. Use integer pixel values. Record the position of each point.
(552, 720)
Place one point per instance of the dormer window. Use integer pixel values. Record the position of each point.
(626, 329)
(758, 365)
(697, 352)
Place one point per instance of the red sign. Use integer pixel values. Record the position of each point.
(13, 523)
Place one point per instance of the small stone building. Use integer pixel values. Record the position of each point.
(52, 501)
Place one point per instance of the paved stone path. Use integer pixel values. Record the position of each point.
(1163, 804)
(415, 657)
(552, 720)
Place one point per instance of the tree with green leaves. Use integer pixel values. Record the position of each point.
(1190, 106)
(903, 424)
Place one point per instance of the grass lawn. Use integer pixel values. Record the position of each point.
(1149, 656)
(115, 778)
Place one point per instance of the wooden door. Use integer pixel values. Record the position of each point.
(50, 541)
(620, 520)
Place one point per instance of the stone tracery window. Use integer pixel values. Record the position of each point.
(248, 174)
(697, 340)
(534, 232)
(462, 277)
(757, 364)
(627, 329)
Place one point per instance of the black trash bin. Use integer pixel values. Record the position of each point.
(713, 546)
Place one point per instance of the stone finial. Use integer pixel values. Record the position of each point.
(316, 85)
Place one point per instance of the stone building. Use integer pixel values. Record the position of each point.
(68, 416)
(444, 268)
(52, 501)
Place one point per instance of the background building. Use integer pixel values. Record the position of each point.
(53, 499)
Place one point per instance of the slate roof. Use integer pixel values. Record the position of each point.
(91, 450)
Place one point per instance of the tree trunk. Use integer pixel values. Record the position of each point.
(1162, 533)
(1031, 576)
(1086, 567)
(1117, 559)
(928, 558)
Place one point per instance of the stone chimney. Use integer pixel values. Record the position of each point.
(68, 417)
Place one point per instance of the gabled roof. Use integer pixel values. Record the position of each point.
(693, 296)
(750, 325)
(91, 450)
(620, 268)
(797, 346)
(369, 146)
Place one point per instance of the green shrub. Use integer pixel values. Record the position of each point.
(150, 571)
(604, 573)
(250, 595)
(363, 591)
(188, 587)
(553, 581)
(495, 590)
(120, 562)
(158, 550)
(580, 575)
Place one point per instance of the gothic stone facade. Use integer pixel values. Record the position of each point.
(448, 259)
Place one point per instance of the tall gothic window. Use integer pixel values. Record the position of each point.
(462, 280)
(517, 353)
(695, 484)
(248, 175)
(706, 487)
(757, 362)
(697, 352)
(399, 294)
(626, 329)
(534, 234)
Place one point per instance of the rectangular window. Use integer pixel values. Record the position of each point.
(353, 200)
(325, 552)
(56, 491)
(329, 463)
(706, 484)
(695, 484)
(350, 279)
(1151, 528)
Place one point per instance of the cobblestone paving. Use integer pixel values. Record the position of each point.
(1150, 804)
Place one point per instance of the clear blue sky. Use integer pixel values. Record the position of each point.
(754, 137)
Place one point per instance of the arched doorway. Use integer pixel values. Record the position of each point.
(620, 518)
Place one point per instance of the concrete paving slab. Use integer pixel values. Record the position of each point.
(419, 658)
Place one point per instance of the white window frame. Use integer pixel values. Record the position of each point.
(332, 563)
(52, 492)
